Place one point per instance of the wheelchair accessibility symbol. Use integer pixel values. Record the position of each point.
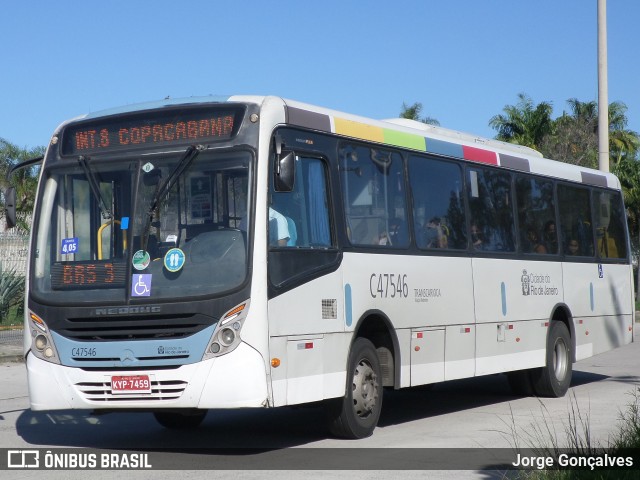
(174, 260)
(141, 285)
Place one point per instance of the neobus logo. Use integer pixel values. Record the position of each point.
(127, 310)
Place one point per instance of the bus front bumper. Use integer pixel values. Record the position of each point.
(235, 380)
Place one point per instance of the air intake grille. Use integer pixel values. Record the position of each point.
(329, 309)
(134, 328)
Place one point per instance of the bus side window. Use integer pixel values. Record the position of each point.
(609, 227)
(489, 193)
(536, 215)
(374, 196)
(438, 215)
(305, 209)
(575, 219)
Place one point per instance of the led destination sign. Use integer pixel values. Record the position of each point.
(151, 129)
(78, 275)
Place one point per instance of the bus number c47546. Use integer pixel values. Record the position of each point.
(388, 285)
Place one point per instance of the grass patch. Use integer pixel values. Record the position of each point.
(543, 439)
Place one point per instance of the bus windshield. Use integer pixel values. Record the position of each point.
(143, 228)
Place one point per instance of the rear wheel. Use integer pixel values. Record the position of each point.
(179, 420)
(554, 378)
(356, 414)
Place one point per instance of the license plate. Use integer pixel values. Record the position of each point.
(130, 384)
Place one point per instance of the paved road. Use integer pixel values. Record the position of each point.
(478, 413)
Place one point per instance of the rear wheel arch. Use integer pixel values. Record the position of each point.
(562, 313)
(376, 327)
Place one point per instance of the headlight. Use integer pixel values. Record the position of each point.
(42, 345)
(227, 336)
(41, 342)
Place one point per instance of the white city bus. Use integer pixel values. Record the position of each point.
(260, 252)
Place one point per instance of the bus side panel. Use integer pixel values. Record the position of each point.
(314, 307)
(307, 337)
(311, 367)
(599, 299)
(511, 290)
(427, 356)
(460, 352)
(417, 292)
(507, 346)
(412, 291)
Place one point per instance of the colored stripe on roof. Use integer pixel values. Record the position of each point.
(516, 163)
(407, 140)
(358, 130)
(444, 148)
(480, 155)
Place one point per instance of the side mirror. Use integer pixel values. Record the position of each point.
(10, 206)
(285, 172)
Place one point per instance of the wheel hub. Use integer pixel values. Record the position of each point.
(365, 389)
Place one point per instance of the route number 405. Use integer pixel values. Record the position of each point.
(69, 245)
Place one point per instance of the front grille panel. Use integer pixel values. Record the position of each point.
(165, 390)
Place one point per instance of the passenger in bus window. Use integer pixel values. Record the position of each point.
(550, 237)
(573, 247)
(477, 238)
(278, 228)
(435, 236)
(534, 242)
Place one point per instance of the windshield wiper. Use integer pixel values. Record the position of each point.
(95, 188)
(189, 156)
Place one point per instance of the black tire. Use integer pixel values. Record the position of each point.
(357, 413)
(180, 421)
(520, 382)
(554, 378)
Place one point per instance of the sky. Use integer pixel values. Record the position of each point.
(464, 60)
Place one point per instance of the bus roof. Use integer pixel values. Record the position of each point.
(441, 141)
(400, 133)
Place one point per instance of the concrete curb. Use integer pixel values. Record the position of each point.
(11, 353)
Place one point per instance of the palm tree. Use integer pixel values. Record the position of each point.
(412, 112)
(524, 123)
(623, 143)
(24, 180)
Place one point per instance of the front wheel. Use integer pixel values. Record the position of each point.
(356, 414)
(554, 378)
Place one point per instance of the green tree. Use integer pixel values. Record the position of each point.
(575, 135)
(412, 112)
(628, 171)
(24, 180)
(524, 123)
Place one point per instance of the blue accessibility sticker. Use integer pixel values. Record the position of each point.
(141, 285)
